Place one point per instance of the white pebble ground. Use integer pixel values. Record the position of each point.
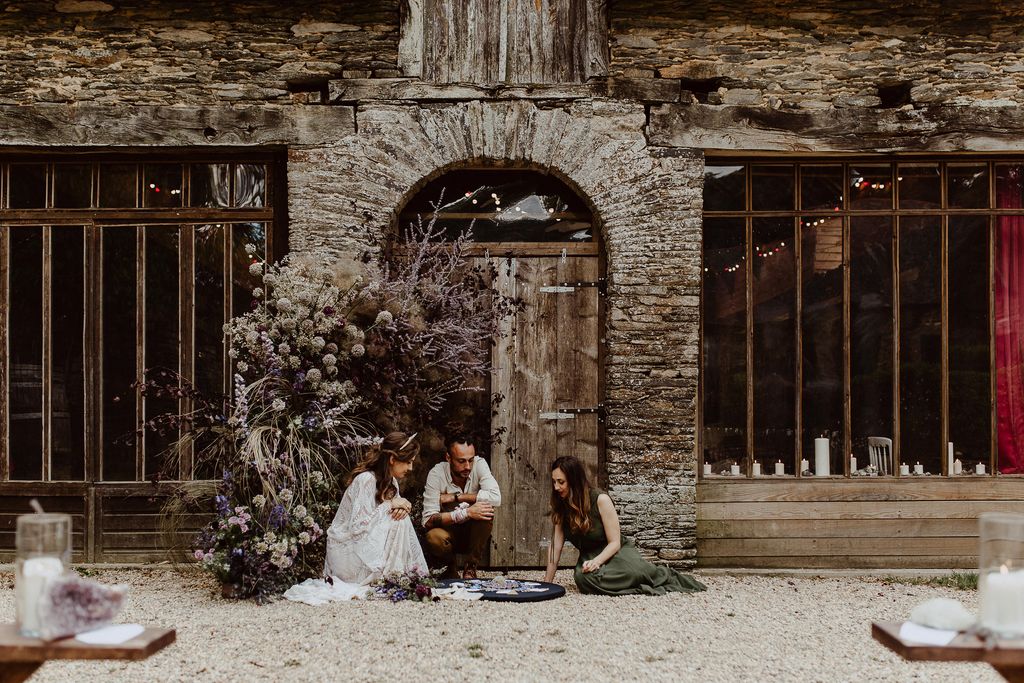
(744, 628)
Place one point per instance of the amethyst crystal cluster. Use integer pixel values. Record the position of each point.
(71, 604)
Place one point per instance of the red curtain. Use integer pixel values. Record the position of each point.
(1010, 322)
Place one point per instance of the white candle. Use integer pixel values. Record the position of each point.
(918, 468)
(707, 468)
(29, 585)
(979, 468)
(780, 469)
(734, 469)
(949, 459)
(821, 457)
(1002, 601)
(853, 463)
(803, 466)
(757, 469)
(904, 470)
(958, 467)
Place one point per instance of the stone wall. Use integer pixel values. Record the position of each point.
(816, 55)
(189, 52)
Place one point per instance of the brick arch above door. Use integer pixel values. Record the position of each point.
(342, 201)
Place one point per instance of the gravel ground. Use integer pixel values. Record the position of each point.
(744, 628)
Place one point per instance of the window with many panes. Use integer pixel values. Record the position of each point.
(110, 266)
(866, 314)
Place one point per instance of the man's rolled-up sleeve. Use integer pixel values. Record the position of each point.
(489, 491)
(432, 495)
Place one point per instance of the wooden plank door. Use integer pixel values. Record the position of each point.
(548, 361)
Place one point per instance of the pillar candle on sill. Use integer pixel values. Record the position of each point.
(803, 465)
(979, 468)
(904, 470)
(949, 459)
(1002, 601)
(757, 469)
(918, 468)
(707, 468)
(821, 463)
(734, 470)
(780, 469)
(853, 463)
(958, 467)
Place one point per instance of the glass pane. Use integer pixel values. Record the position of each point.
(72, 186)
(250, 184)
(28, 186)
(821, 188)
(67, 375)
(725, 344)
(211, 185)
(967, 185)
(119, 347)
(162, 334)
(822, 337)
(118, 185)
(25, 349)
(1009, 328)
(920, 186)
(870, 187)
(772, 188)
(970, 403)
(871, 336)
(503, 206)
(208, 334)
(244, 235)
(921, 343)
(725, 188)
(774, 367)
(161, 185)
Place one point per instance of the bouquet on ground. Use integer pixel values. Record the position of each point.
(398, 586)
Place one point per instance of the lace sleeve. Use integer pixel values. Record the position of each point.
(364, 501)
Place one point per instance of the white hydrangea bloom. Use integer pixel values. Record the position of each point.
(256, 268)
(358, 350)
(278, 405)
(299, 511)
(330, 359)
(314, 376)
(385, 318)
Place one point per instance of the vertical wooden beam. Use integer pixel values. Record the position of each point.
(91, 373)
(186, 322)
(5, 352)
(798, 366)
(47, 356)
(410, 40)
(748, 240)
(140, 347)
(847, 347)
(944, 361)
(993, 246)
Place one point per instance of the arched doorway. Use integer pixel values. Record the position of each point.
(539, 239)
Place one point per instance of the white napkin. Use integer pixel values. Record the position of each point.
(926, 636)
(111, 635)
(456, 594)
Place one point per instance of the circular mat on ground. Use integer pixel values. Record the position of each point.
(513, 590)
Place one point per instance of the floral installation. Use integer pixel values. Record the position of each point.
(326, 359)
(398, 586)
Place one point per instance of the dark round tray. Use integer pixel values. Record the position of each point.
(551, 591)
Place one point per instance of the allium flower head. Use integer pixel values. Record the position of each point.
(278, 405)
(385, 318)
(358, 350)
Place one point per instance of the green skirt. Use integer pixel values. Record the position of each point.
(628, 573)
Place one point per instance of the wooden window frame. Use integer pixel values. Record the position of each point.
(94, 220)
(846, 213)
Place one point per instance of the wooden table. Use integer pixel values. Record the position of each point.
(1007, 660)
(20, 656)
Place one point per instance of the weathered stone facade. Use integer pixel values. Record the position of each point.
(325, 82)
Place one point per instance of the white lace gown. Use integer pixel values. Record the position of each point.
(363, 543)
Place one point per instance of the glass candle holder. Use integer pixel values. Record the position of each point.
(1001, 575)
(43, 542)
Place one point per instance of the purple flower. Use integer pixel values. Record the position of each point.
(422, 591)
(222, 505)
(278, 516)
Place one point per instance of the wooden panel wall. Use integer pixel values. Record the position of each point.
(923, 524)
(505, 41)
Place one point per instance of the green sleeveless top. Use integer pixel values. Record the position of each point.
(593, 540)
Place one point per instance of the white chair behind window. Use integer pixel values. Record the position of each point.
(880, 454)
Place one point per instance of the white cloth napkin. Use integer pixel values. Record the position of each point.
(456, 594)
(111, 635)
(926, 636)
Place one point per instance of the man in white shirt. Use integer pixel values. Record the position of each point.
(458, 507)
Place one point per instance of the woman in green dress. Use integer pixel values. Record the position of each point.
(608, 565)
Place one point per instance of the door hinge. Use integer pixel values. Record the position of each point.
(571, 413)
(572, 286)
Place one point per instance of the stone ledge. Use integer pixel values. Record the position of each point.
(413, 89)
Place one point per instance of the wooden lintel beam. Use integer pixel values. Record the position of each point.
(852, 131)
(147, 125)
(413, 89)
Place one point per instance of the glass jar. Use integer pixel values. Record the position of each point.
(1001, 575)
(43, 544)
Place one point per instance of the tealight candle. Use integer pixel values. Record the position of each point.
(780, 469)
(757, 469)
(979, 468)
(904, 470)
(958, 467)
(734, 469)
(918, 468)
(707, 468)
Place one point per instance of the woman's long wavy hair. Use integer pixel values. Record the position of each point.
(575, 507)
(378, 461)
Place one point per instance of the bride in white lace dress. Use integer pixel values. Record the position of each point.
(372, 533)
